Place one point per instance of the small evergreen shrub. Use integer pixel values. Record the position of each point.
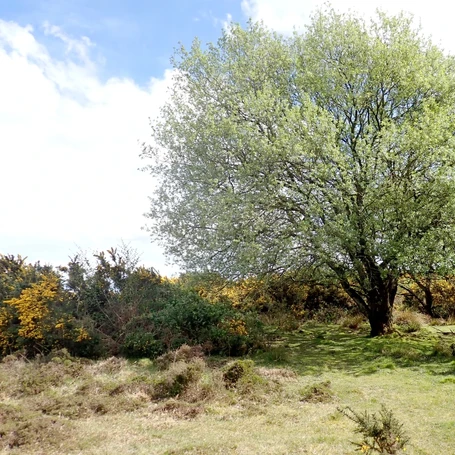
(381, 433)
(187, 318)
(139, 344)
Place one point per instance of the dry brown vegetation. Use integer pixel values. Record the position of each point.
(185, 403)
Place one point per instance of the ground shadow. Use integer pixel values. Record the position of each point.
(316, 348)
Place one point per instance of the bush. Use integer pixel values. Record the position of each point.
(441, 290)
(187, 318)
(320, 392)
(407, 321)
(178, 379)
(352, 321)
(277, 294)
(380, 433)
(39, 319)
(241, 375)
(140, 344)
(114, 307)
(185, 353)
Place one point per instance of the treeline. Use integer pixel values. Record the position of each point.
(111, 305)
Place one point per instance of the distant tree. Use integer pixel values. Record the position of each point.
(333, 148)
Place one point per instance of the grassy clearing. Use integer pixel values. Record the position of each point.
(285, 403)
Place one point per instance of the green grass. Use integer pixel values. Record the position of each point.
(111, 406)
(329, 348)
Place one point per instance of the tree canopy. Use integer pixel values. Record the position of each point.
(333, 148)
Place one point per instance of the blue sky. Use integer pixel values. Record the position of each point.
(134, 38)
(79, 80)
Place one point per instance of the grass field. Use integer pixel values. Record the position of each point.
(287, 406)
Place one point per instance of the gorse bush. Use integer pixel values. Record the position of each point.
(16, 275)
(142, 344)
(112, 306)
(291, 293)
(381, 433)
(141, 314)
(187, 318)
(433, 295)
(36, 318)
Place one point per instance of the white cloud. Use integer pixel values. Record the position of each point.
(79, 46)
(283, 15)
(69, 150)
(436, 17)
(227, 22)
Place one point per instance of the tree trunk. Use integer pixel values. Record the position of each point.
(428, 302)
(380, 320)
(377, 305)
(380, 305)
(374, 294)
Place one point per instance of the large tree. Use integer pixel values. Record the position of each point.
(334, 148)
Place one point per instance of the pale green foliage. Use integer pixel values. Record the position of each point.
(333, 148)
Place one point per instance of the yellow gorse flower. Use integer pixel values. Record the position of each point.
(237, 327)
(33, 307)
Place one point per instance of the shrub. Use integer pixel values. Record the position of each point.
(381, 433)
(276, 294)
(184, 353)
(187, 318)
(241, 374)
(38, 320)
(178, 378)
(441, 290)
(319, 392)
(352, 321)
(112, 307)
(139, 344)
(407, 321)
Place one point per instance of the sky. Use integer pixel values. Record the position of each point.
(79, 81)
